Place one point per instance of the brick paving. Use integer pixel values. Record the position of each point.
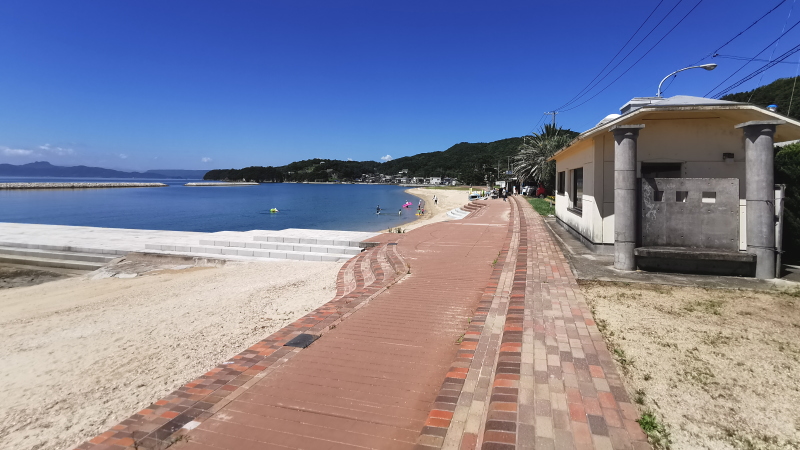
(542, 377)
(361, 279)
(462, 335)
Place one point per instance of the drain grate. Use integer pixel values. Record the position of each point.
(392, 243)
(302, 340)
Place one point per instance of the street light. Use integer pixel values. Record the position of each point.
(704, 66)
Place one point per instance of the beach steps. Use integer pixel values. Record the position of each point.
(464, 211)
(290, 243)
(273, 247)
(52, 256)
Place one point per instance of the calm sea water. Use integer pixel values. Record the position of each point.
(209, 209)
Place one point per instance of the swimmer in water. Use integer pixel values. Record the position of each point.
(378, 210)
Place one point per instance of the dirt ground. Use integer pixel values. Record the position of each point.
(718, 369)
(79, 355)
(11, 277)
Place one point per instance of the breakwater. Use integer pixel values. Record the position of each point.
(215, 184)
(77, 185)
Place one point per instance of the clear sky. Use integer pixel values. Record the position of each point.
(197, 84)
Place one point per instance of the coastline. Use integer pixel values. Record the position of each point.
(448, 199)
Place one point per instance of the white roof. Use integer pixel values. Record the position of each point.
(687, 104)
(688, 100)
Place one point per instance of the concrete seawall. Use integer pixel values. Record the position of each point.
(77, 185)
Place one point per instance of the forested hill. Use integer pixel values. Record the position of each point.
(779, 92)
(468, 162)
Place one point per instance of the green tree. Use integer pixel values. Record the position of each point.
(531, 163)
(787, 171)
(780, 92)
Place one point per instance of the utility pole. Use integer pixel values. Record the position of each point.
(553, 113)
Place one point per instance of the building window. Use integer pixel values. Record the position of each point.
(562, 181)
(577, 189)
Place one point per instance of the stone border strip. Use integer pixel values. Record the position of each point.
(360, 280)
(466, 382)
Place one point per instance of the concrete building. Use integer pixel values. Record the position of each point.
(679, 184)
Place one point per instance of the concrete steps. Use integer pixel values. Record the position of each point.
(292, 247)
(54, 257)
(457, 213)
(308, 241)
(464, 211)
(274, 247)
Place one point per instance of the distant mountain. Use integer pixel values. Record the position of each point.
(470, 163)
(45, 169)
(178, 173)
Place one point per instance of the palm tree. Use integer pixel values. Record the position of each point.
(531, 163)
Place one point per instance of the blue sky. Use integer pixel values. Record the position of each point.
(202, 85)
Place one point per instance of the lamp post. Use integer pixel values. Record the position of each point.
(704, 66)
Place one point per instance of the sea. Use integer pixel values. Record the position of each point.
(350, 207)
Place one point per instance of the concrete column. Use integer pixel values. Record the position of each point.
(625, 194)
(760, 193)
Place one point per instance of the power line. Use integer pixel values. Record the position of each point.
(535, 127)
(745, 58)
(617, 54)
(671, 79)
(776, 47)
(751, 59)
(796, 71)
(714, 53)
(640, 58)
(762, 69)
(625, 57)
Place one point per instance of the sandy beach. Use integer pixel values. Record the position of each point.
(79, 355)
(448, 199)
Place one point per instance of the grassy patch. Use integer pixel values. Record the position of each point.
(542, 206)
(655, 430)
(624, 361)
(708, 306)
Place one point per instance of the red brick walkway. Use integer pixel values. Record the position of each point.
(485, 343)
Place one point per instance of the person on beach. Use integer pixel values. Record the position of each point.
(435, 200)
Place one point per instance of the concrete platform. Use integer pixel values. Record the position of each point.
(120, 241)
(589, 265)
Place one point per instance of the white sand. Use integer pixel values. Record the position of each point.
(78, 356)
(449, 199)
